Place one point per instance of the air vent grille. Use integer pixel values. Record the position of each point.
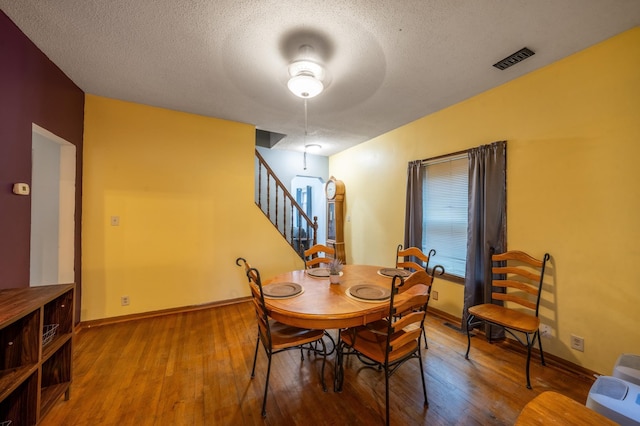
(514, 58)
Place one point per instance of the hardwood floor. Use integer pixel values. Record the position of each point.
(194, 369)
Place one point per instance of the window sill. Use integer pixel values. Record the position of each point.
(453, 278)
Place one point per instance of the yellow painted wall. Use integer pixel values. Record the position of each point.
(183, 188)
(573, 132)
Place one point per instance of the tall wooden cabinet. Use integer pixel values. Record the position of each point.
(36, 328)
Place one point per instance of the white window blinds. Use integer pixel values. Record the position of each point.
(445, 198)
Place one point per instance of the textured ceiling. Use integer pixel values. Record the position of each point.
(388, 62)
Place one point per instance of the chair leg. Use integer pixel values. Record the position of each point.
(338, 375)
(424, 334)
(529, 344)
(540, 346)
(469, 319)
(333, 343)
(266, 388)
(255, 356)
(424, 385)
(324, 361)
(386, 391)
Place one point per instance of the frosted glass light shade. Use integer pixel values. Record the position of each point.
(313, 147)
(306, 67)
(305, 86)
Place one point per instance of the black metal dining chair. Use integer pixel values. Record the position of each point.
(277, 337)
(519, 277)
(387, 344)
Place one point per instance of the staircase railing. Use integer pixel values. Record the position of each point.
(284, 212)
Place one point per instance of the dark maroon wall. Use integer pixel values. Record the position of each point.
(32, 90)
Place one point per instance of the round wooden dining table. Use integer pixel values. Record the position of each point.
(323, 305)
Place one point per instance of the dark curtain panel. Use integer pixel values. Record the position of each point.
(487, 222)
(413, 214)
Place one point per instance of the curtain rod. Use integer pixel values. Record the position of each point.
(445, 157)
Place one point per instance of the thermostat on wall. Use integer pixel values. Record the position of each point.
(21, 188)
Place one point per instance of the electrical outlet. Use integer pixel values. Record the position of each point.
(115, 220)
(545, 331)
(434, 295)
(577, 343)
(124, 300)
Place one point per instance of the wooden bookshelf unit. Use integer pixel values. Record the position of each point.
(36, 329)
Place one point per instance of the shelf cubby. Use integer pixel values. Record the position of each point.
(36, 335)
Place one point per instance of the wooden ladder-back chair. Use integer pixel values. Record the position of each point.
(420, 277)
(521, 277)
(387, 344)
(413, 258)
(318, 254)
(277, 337)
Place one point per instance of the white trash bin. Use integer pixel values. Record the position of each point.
(616, 399)
(628, 368)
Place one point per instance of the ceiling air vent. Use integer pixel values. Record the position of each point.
(267, 139)
(514, 58)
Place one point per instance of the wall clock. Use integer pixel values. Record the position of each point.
(335, 192)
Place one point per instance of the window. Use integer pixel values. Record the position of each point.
(445, 198)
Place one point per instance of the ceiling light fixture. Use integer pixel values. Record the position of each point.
(313, 147)
(306, 75)
(305, 86)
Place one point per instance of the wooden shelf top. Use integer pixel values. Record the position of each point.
(15, 303)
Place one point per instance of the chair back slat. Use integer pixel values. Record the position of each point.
(403, 337)
(317, 261)
(418, 277)
(407, 320)
(409, 265)
(506, 297)
(318, 254)
(261, 311)
(519, 285)
(520, 256)
(419, 300)
(521, 276)
(412, 258)
(255, 290)
(517, 271)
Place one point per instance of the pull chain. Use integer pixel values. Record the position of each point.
(304, 158)
(305, 122)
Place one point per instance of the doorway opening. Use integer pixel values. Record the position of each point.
(53, 188)
(309, 193)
